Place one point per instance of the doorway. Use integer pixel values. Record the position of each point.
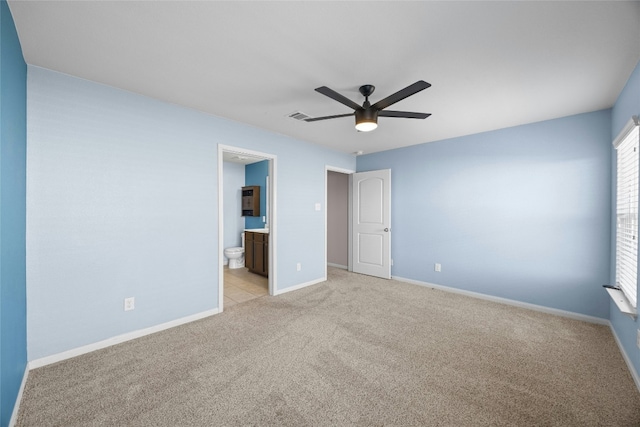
(231, 225)
(337, 223)
(368, 221)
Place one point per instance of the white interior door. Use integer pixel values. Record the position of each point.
(371, 223)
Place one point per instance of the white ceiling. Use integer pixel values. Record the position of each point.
(242, 158)
(491, 64)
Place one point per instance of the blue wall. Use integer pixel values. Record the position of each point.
(521, 213)
(122, 202)
(256, 174)
(13, 309)
(627, 105)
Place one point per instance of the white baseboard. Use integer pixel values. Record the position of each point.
(627, 359)
(300, 286)
(344, 267)
(541, 308)
(118, 339)
(16, 407)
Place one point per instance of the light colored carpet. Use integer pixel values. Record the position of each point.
(354, 350)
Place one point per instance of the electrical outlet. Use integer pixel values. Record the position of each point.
(298, 267)
(129, 303)
(392, 262)
(438, 267)
(638, 339)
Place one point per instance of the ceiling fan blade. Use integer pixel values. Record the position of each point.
(315, 119)
(401, 94)
(337, 97)
(403, 114)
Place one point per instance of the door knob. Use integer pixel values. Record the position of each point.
(386, 230)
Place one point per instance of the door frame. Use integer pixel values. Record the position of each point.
(327, 169)
(271, 220)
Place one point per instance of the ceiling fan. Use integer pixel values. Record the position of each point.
(367, 115)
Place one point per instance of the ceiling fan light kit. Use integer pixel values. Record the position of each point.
(366, 120)
(367, 114)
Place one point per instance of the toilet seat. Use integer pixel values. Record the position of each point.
(234, 250)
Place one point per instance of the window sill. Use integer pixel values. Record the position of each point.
(621, 301)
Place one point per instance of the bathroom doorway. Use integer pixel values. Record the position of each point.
(236, 169)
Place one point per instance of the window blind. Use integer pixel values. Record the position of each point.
(628, 155)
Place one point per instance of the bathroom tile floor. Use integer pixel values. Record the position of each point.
(240, 285)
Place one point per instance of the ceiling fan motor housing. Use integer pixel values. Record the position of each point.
(367, 115)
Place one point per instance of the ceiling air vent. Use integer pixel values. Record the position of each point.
(298, 115)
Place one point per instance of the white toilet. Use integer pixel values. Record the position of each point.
(235, 255)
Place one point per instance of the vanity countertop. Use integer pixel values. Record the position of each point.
(258, 230)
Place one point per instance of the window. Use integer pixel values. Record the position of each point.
(628, 155)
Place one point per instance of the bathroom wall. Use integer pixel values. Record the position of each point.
(337, 219)
(256, 174)
(233, 179)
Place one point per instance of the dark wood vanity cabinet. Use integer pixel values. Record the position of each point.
(256, 252)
